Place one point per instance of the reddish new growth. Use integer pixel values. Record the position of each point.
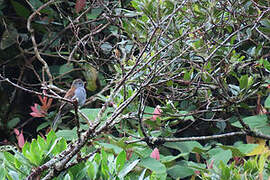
(41, 111)
(155, 154)
(157, 113)
(80, 4)
(20, 137)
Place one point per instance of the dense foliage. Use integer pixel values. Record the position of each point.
(176, 89)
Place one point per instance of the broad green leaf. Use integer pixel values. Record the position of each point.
(258, 122)
(184, 147)
(153, 165)
(196, 166)
(244, 148)
(9, 157)
(260, 149)
(95, 12)
(178, 171)
(67, 134)
(218, 155)
(13, 122)
(241, 150)
(93, 112)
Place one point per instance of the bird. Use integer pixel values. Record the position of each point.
(76, 92)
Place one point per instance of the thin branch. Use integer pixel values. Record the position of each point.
(38, 56)
(155, 140)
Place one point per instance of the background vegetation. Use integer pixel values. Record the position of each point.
(176, 89)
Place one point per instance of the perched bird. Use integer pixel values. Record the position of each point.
(77, 92)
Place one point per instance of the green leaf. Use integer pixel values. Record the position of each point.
(241, 150)
(42, 126)
(2, 172)
(153, 165)
(167, 159)
(127, 169)
(51, 137)
(36, 152)
(267, 102)
(20, 9)
(93, 112)
(91, 170)
(244, 148)
(61, 146)
(42, 143)
(266, 64)
(265, 22)
(9, 157)
(120, 161)
(95, 12)
(258, 122)
(218, 155)
(184, 147)
(201, 149)
(104, 164)
(67, 134)
(178, 171)
(186, 117)
(243, 81)
(13, 122)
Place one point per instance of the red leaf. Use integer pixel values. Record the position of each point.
(157, 113)
(80, 4)
(155, 154)
(20, 137)
(37, 112)
(46, 104)
(16, 131)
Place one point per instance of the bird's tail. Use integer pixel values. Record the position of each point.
(56, 120)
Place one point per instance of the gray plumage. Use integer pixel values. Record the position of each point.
(77, 92)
